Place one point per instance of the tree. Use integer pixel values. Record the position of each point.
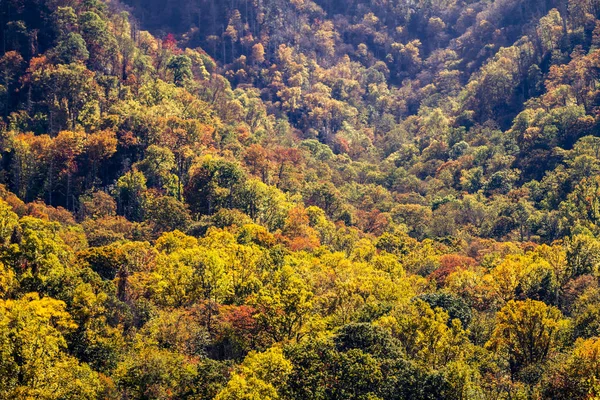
(321, 372)
(129, 194)
(64, 150)
(585, 312)
(212, 185)
(205, 271)
(243, 388)
(297, 231)
(284, 305)
(181, 67)
(65, 20)
(550, 30)
(158, 166)
(258, 53)
(367, 337)
(265, 204)
(68, 93)
(259, 377)
(11, 65)
(527, 333)
(578, 377)
(167, 214)
(426, 335)
(452, 304)
(47, 259)
(34, 361)
(71, 49)
(101, 43)
(582, 253)
(583, 206)
(99, 147)
(152, 373)
(8, 222)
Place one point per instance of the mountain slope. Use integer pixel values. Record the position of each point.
(279, 199)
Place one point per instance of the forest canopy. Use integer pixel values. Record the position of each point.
(299, 199)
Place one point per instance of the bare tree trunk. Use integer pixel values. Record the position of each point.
(50, 173)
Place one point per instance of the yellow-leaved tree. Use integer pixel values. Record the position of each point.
(526, 333)
(33, 360)
(259, 377)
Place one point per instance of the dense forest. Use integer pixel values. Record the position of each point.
(300, 199)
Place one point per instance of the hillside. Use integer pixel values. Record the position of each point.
(299, 199)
